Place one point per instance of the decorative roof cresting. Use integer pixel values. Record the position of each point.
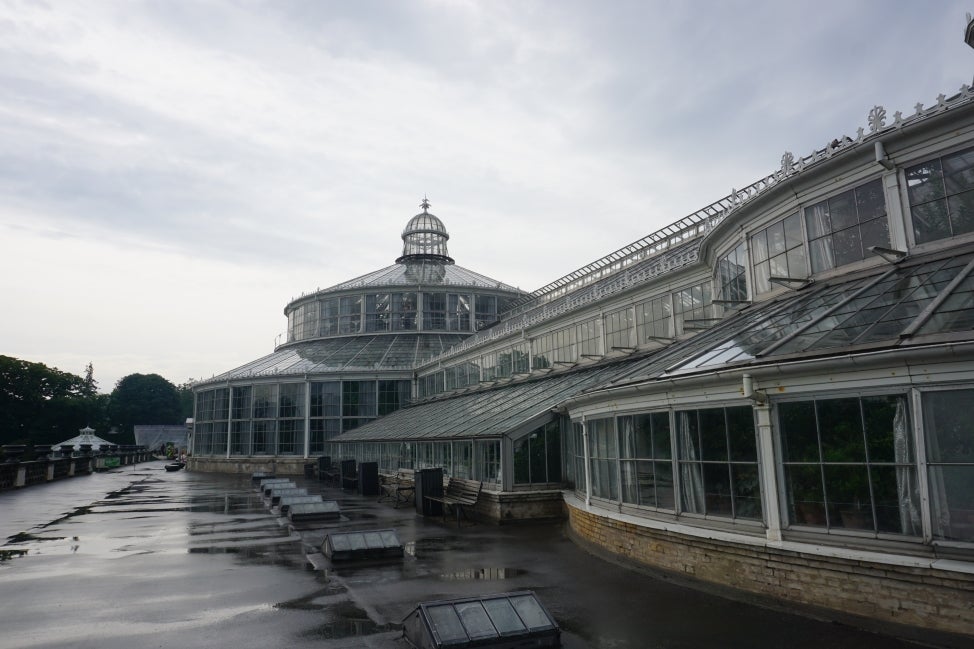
(424, 238)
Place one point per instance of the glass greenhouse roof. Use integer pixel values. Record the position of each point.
(423, 273)
(918, 301)
(376, 353)
(485, 412)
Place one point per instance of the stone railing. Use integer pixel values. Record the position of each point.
(49, 464)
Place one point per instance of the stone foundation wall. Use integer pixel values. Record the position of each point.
(281, 466)
(512, 507)
(916, 596)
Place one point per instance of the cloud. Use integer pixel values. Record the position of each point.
(231, 155)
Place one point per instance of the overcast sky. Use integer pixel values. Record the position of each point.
(172, 173)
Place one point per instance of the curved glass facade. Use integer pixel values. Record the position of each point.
(350, 354)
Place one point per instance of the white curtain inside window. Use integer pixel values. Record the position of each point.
(908, 493)
(691, 478)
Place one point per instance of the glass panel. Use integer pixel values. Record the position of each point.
(847, 246)
(847, 491)
(531, 612)
(925, 182)
(793, 231)
(949, 427)
(475, 620)
(747, 491)
(503, 616)
(357, 541)
(958, 171)
(952, 496)
(662, 447)
(340, 543)
(713, 436)
(870, 202)
(716, 481)
(759, 246)
(665, 498)
(373, 540)
(930, 221)
(821, 254)
(446, 623)
(840, 427)
(879, 414)
(897, 500)
(874, 233)
(741, 434)
(842, 211)
(961, 213)
(799, 437)
(817, 220)
(804, 484)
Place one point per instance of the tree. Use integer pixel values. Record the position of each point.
(186, 399)
(43, 405)
(144, 399)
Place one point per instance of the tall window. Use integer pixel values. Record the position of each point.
(843, 227)
(731, 275)
(488, 461)
(393, 395)
(329, 316)
(290, 427)
(619, 331)
(778, 251)
(350, 314)
(404, 311)
(941, 196)
(950, 462)
(378, 312)
(458, 312)
(693, 304)
(434, 311)
(587, 339)
(718, 462)
(240, 443)
(264, 427)
(358, 399)
(654, 319)
(849, 463)
(537, 456)
(603, 454)
(647, 460)
(486, 311)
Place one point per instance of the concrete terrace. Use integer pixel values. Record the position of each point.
(137, 557)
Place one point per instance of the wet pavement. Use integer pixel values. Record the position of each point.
(137, 557)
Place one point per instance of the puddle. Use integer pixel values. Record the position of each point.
(421, 547)
(350, 621)
(483, 574)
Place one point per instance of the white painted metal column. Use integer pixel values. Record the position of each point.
(769, 477)
(307, 417)
(588, 470)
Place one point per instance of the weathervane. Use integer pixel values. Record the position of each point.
(425, 204)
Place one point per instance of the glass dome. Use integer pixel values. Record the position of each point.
(424, 238)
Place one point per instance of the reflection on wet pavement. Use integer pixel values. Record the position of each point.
(115, 560)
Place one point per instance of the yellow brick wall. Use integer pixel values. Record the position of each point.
(919, 597)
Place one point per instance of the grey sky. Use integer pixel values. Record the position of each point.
(172, 173)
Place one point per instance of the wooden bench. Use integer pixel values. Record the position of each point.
(400, 488)
(459, 495)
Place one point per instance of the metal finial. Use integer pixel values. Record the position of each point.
(425, 204)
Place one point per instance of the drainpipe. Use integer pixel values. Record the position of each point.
(588, 470)
(766, 462)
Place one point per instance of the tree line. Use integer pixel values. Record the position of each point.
(43, 405)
